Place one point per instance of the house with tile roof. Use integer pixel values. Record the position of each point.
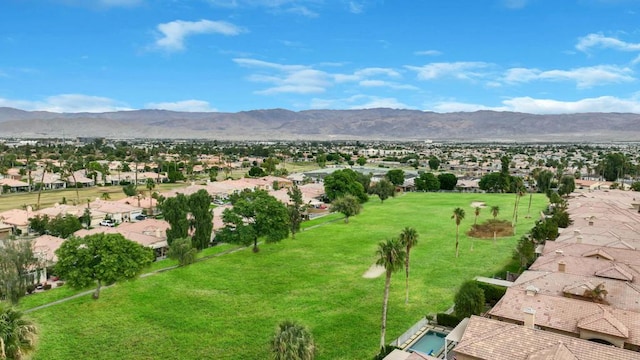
(487, 339)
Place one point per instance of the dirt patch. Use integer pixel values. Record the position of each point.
(485, 230)
(373, 272)
(479, 204)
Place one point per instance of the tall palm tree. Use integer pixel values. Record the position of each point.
(409, 239)
(292, 341)
(495, 210)
(458, 215)
(476, 212)
(150, 186)
(17, 335)
(391, 256)
(47, 166)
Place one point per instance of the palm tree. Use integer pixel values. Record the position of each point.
(150, 186)
(47, 165)
(458, 215)
(476, 211)
(105, 196)
(17, 335)
(391, 256)
(409, 239)
(292, 341)
(495, 210)
(598, 293)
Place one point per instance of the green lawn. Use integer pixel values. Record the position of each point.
(227, 307)
(51, 197)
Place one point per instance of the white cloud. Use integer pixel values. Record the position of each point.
(428, 52)
(600, 41)
(304, 79)
(298, 7)
(358, 102)
(184, 105)
(175, 32)
(296, 79)
(68, 103)
(585, 77)
(548, 106)
(447, 107)
(356, 7)
(459, 70)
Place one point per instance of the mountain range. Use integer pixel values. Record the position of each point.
(367, 124)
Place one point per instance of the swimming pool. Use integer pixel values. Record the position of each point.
(430, 343)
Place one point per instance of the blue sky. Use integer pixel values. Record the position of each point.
(536, 56)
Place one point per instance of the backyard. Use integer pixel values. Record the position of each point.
(227, 307)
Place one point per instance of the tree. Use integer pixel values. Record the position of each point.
(543, 181)
(63, 226)
(469, 300)
(391, 256)
(409, 239)
(343, 182)
(384, 189)
(348, 205)
(105, 196)
(150, 185)
(256, 171)
(434, 163)
(85, 219)
(495, 210)
(39, 224)
(199, 203)
(613, 166)
(47, 166)
(396, 176)
(182, 250)
(476, 212)
(361, 161)
(16, 261)
(17, 334)
(129, 190)
(524, 252)
(427, 182)
(447, 181)
(296, 209)
(567, 185)
(493, 182)
(458, 216)
(175, 211)
(101, 258)
(292, 341)
(598, 293)
(255, 214)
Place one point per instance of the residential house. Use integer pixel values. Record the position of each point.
(151, 233)
(486, 339)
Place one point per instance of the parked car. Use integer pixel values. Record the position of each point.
(107, 222)
(141, 217)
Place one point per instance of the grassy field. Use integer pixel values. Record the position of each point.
(227, 307)
(51, 197)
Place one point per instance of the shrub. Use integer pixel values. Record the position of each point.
(47, 286)
(448, 320)
(492, 293)
(31, 288)
(469, 300)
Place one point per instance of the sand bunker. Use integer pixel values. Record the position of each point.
(373, 272)
(479, 204)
